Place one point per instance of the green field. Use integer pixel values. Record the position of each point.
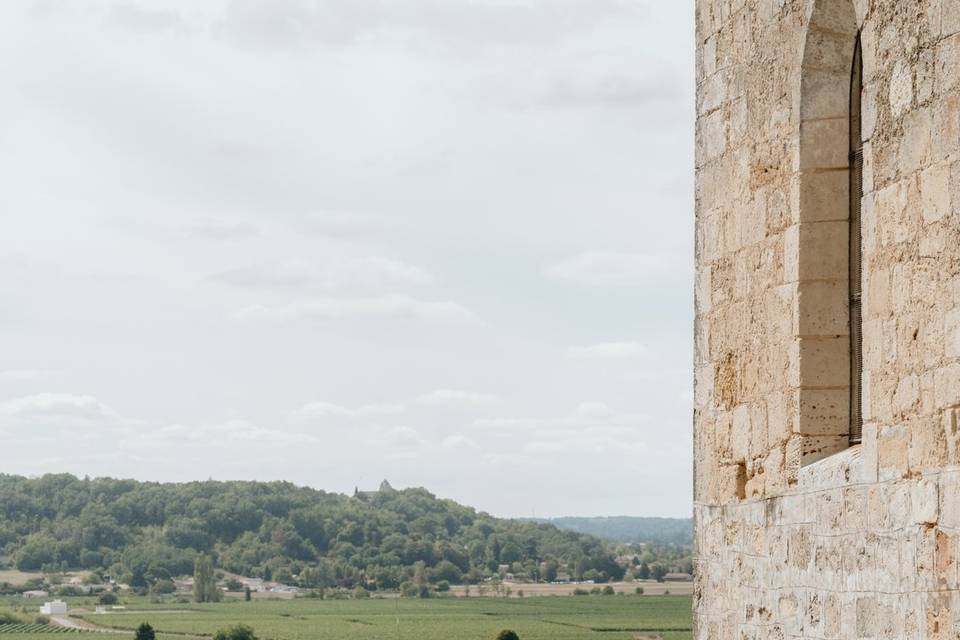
(31, 629)
(544, 618)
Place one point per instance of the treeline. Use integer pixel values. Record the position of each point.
(142, 532)
(629, 529)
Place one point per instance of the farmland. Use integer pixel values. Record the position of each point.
(619, 617)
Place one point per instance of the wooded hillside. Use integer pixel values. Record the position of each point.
(140, 532)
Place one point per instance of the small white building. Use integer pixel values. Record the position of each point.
(55, 608)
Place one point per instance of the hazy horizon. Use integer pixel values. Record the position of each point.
(446, 244)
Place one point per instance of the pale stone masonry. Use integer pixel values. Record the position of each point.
(800, 534)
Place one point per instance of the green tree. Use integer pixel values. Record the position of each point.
(549, 570)
(144, 632)
(360, 593)
(236, 632)
(246, 594)
(507, 634)
(658, 571)
(204, 582)
(644, 571)
(164, 586)
(108, 598)
(448, 571)
(420, 579)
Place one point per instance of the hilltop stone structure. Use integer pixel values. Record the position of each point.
(827, 385)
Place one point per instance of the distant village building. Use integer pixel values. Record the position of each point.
(184, 585)
(36, 593)
(254, 584)
(284, 588)
(385, 487)
(54, 608)
(677, 577)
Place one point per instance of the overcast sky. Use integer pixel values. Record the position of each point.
(444, 242)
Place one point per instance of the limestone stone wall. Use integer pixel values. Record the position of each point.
(798, 534)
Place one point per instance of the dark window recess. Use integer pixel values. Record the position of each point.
(856, 252)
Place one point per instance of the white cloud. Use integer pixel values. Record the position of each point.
(456, 397)
(292, 23)
(610, 351)
(145, 21)
(593, 89)
(371, 273)
(29, 374)
(328, 410)
(396, 307)
(348, 225)
(221, 229)
(428, 221)
(594, 410)
(459, 442)
(605, 269)
(56, 405)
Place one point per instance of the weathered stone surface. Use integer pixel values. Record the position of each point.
(799, 535)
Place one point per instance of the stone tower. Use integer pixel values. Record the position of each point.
(827, 484)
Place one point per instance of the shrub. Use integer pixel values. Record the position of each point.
(164, 586)
(608, 591)
(638, 591)
(144, 632)
(580, 592)
(41, 619)
(409, 590)
(507, 634)
(236, 632)
(360, 592)
(666, 592)
(443, 585)
(109, 598)
(9, 617)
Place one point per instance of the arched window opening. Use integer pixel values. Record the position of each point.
(822, 247)
(856, 250)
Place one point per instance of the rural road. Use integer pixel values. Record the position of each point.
(69, 623)
(73, 623)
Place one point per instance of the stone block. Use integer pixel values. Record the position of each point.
(824, 195)
(815, 448)
(925, 502)
(822, 308)
(823, 412)
(949, 17)
(892, 452)
(949, 496)
(935, 192)
(951, 333)
(948, 61)
(824, 144)
(946, 383)
(824, 362)
(907, 395)
(916, 141)
(901, 88)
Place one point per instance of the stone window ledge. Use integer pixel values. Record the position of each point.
(838, 470)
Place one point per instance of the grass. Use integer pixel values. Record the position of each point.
(543, 618)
